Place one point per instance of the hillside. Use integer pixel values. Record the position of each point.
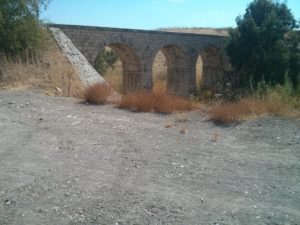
(51, 73)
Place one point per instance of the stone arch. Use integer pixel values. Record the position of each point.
(177, 66)
(212, 69)
(131, 65)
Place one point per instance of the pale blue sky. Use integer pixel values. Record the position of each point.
(151, 14)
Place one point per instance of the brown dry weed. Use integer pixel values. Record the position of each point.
(97, 93)
(147, 101)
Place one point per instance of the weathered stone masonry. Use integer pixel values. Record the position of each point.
(138, 48)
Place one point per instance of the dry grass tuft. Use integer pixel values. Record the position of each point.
(97, 93)
(168, 125)
(235, 112)
(183, 131)
(147, 101)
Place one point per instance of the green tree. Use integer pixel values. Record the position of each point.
(20, 28)
(293, 43)
(259, 48)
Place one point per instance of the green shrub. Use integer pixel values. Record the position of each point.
(105, 60)
(20, 28)
(281, 94)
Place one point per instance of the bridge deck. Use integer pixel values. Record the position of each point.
(131, 30)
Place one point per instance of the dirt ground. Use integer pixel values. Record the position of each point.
(65, 162)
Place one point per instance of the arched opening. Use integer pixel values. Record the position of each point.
(173, 69)
(109, 65)
(159, 71)
(121, 67)
(199, 71)
(212, 70)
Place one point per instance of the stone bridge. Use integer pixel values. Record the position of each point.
(138, 48)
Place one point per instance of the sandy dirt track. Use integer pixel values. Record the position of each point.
(64, 162)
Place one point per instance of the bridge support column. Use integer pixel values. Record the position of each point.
(145, 81)
(213, 71)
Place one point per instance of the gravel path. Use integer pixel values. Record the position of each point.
(65, 162)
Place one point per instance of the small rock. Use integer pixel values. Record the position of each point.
(183, 131)
(7, 202)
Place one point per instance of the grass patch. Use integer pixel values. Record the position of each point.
(49, 71)
(236, 112)
(280, 100)
(97, 93)
(147, 101)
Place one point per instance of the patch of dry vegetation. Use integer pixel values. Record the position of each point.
(50, 72)
(275, 102)
(147, 101)
(237, 111)
(160, 87)
(97, 93)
